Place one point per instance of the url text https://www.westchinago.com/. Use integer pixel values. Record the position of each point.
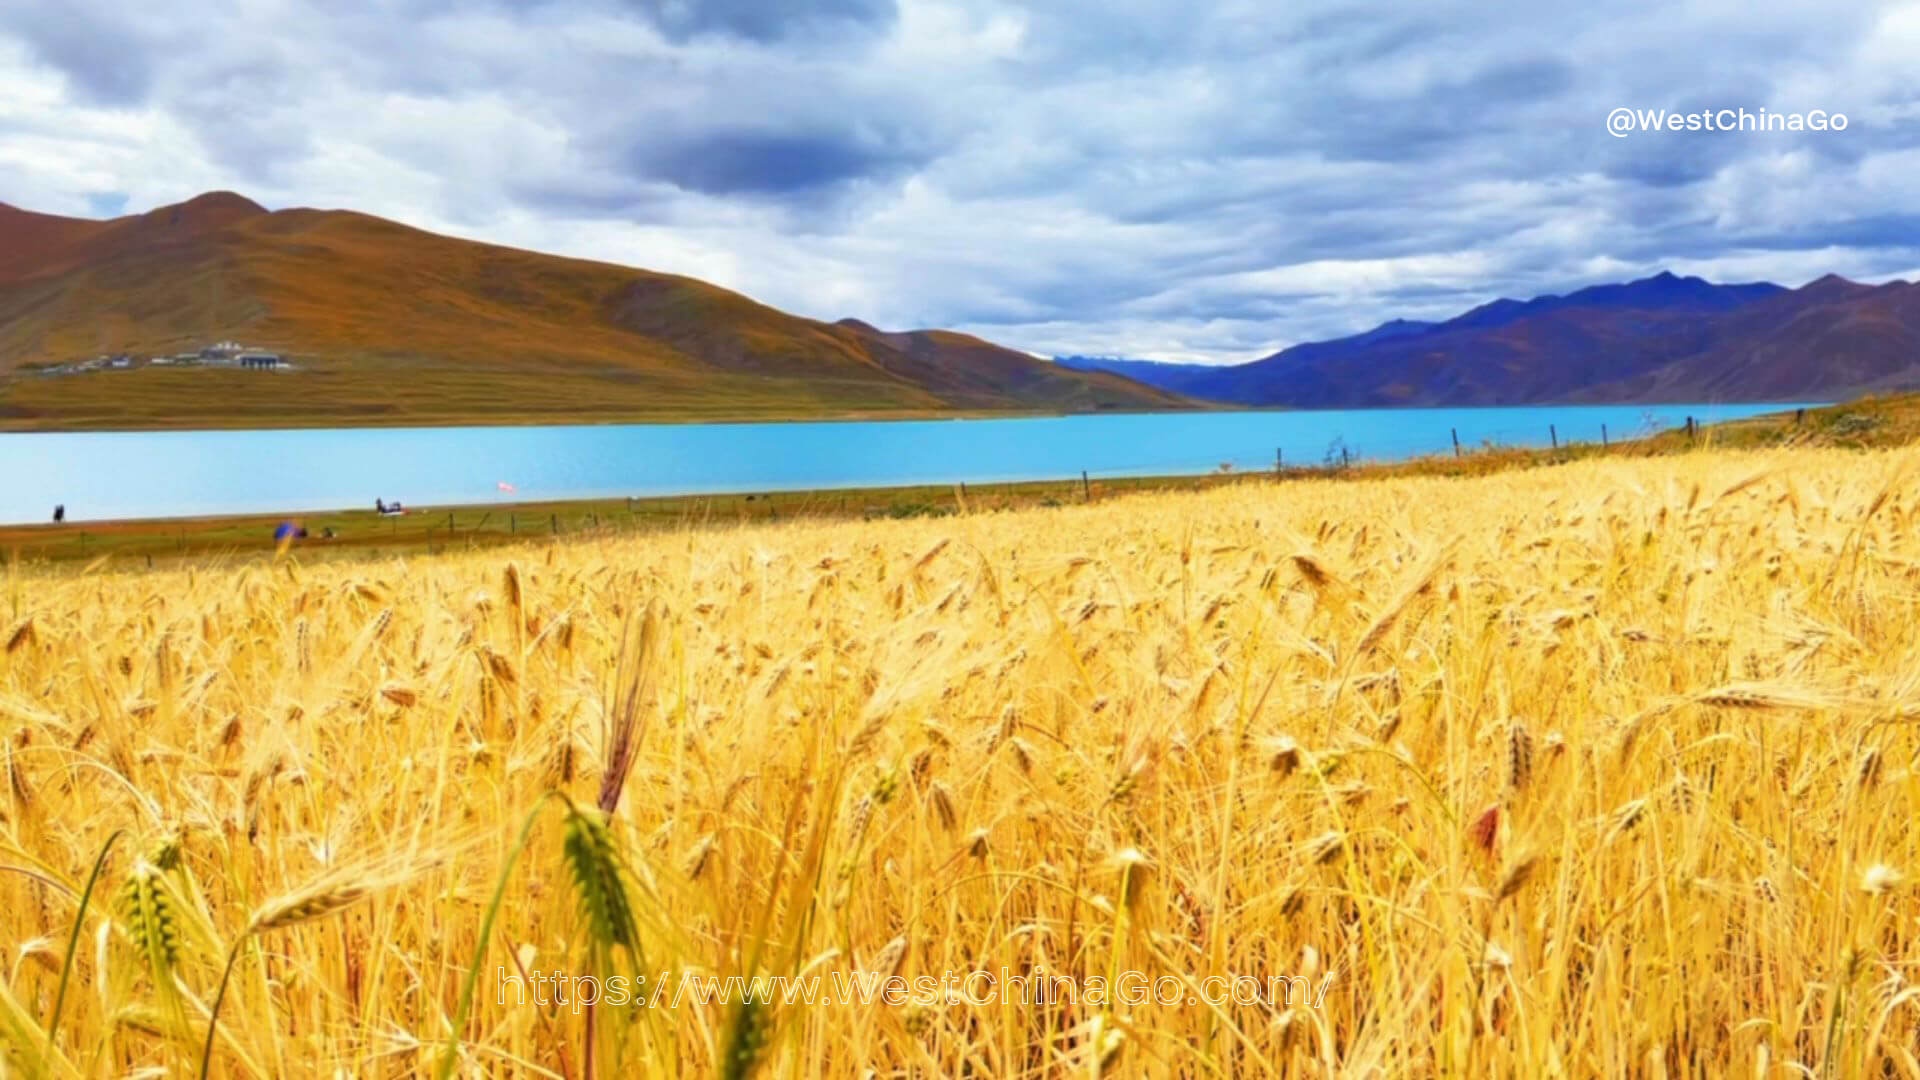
(555, 990)
(1623, 121)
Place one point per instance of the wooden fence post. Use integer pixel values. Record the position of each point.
(1279, 460)
(1553, 434)
(1455, 432)
(1086, 486)
(554, 521)
(1604, 444)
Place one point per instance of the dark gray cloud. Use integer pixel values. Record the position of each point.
(1898, 231)
(760, 21)
(105, 61)
(1156, 177)
(769, 162)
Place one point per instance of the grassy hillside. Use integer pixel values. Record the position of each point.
(1601, 769)
(394, 325)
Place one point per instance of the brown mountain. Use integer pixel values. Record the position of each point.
(1508, 352)
(1663, 338)
(392, 324)
(1832, 338)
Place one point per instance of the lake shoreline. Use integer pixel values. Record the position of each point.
(18, 425)
(437, 527)
(112, 476)
(29, 425)
(101, 477)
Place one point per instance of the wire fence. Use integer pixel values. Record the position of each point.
(1341, 450)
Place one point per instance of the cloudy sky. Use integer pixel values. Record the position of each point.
(1172, 179)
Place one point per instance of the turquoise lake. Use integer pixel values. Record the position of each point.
(107, 475)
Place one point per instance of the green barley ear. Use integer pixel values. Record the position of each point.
(595, 865)
(166, 850)
(153, 925)
(747, 1038)
(151, 921)
(593, 859)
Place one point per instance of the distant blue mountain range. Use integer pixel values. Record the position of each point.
(1150, 372)
(1663, 337)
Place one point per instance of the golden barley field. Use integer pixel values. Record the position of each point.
(1601, 769)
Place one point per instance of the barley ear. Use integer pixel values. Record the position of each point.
(630, 680)
(594, 863)
(1516, 876)
(941, 801)
(747, 1037)
(314, 902)
(1326, 847)
(1136, 873)
(151, 921)
(1519, 756)
(21, 634)
(317, 901)
(516, 604)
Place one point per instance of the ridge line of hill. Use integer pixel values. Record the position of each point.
(383, 323)
(1660, 338)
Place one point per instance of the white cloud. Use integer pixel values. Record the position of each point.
(1146, 177)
